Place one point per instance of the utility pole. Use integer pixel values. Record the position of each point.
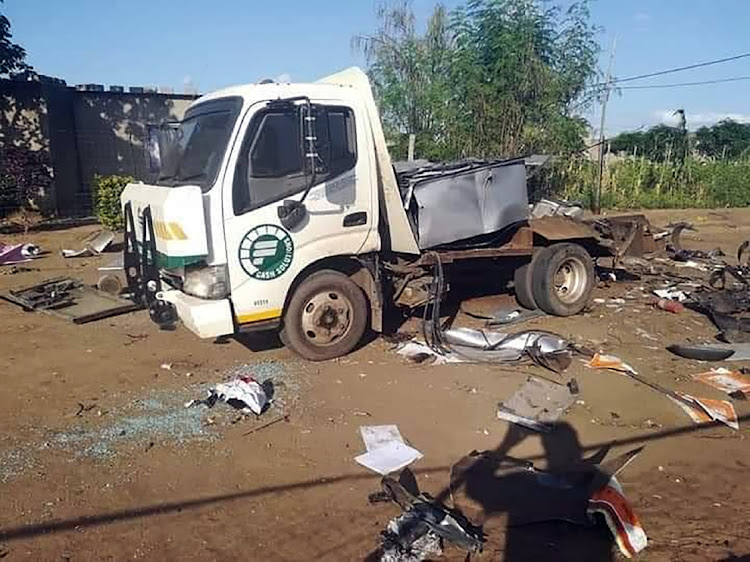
(412, 142)
(605, 98)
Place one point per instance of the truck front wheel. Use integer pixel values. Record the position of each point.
(562, 279)
(326, 317)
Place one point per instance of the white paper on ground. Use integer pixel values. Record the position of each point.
(376, 436)
(388, 458)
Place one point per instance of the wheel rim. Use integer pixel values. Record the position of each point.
(570, 280)
(326, 318)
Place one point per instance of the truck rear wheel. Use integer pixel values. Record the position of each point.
(562, 279)
(326, 317)
(522, 285)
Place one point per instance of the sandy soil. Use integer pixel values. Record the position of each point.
(99, 460)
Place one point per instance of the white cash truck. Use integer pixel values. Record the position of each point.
(277, 207)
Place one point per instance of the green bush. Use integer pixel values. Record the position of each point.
(106, 191)
(633, 183)
(25, 179)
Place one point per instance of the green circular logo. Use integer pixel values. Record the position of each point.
(266, 252)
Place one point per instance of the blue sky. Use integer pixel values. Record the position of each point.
(213, 44)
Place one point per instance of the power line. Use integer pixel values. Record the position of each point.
(701, 83)
(672, 70)
(681, 68)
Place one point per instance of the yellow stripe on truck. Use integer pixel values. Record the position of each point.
(176, 230)
(169, 231)
(258, 316)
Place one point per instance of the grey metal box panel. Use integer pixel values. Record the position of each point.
(470, 203)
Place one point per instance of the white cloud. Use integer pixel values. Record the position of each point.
(284, 78)
(187, 80)
(642, 17)
(695, 120)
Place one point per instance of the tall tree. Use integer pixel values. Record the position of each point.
(493, 78)
(727, 139)
(529, 62)
(12, 56)
(409, 71)
(660, 143)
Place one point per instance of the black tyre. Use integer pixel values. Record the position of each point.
(326, 317)
(562, 279)
(522, 285)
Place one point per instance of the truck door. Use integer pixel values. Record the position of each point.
(272, 165)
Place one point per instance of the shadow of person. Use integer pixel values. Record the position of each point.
(544, 508)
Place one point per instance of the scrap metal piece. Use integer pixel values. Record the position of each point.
(627, 235)
(93, 248)
(536, 404)
(426, 514)
(547, 207)
(708, 410)
(741, 351)
(741, 252)
(725, 380)
(564, 491)
(623, 523)
(408, 539)
(733, 329)
(700, 410)
(675, 238)
(52, 293)
(454, 202)
(70, 299)
(467, 345)
(18, 253)
(562, 228)
(109, 284)
(700, 352)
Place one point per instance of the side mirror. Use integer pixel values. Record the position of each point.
(291, 213)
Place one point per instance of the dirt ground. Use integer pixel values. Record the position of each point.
(100, 460)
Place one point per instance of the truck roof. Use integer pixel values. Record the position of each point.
(273, 90)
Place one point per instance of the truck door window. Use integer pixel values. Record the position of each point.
(271, 164)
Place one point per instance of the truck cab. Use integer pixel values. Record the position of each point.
(260, 186)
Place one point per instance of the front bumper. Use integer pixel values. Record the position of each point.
(205, 318)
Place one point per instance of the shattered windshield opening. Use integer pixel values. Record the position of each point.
(192, 150)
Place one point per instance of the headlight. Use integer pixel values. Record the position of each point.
(207, 282)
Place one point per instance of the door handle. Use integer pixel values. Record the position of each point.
(355, 219)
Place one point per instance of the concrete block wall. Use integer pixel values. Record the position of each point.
(84, 133)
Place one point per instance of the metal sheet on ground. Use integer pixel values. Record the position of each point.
(82, 303)
(537, 404)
